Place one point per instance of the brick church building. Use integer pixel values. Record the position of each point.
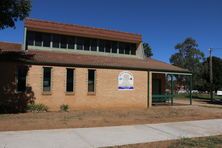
(81, 66)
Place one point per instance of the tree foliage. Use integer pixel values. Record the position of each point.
(13, 10)
(147, 50)
(188, 56)
(217, 73)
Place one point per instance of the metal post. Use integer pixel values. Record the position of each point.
(166, 83)
(171, 85)
(191, 85)
(211, 75)
(148, 89)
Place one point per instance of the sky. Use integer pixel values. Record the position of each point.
(162, 23)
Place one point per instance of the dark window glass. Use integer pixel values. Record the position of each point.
(86, 44)
(46, 78)
(79, 42)
(56, 41)
(101, 45)
(121, 48)
(63, 41)
(114, 47)
(46, 39)
(94, 45)
(107, 46)
(127, 49)
(133, 49)
(30, 37)
(69, 80)
(21, 79)
(91, 80)
(38, 39)
(71, 42)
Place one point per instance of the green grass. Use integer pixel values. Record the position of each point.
(196, 96)
(210, 142)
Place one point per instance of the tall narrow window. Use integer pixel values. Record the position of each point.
(91, 80)
(38, 39)
(63, 41)
(46, 39)
(86, 44)
(56, 41)
(93, 45)
(30, 37)
(21, 79)
(101, 45)
(69, 80)
(108, 46)
(79, 42)
(71, 42)
(133, 49)
(127, 49)
(121, 48)
(114, 47)
(46, 79)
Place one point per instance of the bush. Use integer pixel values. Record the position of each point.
(64, 108)
(37, 107)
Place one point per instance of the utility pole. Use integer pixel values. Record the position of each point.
(211, 75)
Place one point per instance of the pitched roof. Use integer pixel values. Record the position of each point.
(80, 60)
(11, 47)
(82, 31)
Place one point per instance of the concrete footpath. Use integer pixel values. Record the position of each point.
(109, 136)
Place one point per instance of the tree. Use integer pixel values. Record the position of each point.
(188, 56)
(147, 50)
(217, 73)
(13, 10)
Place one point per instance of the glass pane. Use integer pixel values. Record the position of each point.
(71, 42)
(63, 41)
(38, 39)
(56, 41)
(30, 37)
(121, 48)
(133, 49)
(114, 47)
(108, 46)
(94, 45)
(47, 79)
(127, 49)
(69, 80)
(79, 42)
(91, 80)
(46, 39)
(86, 44)
(101, 45)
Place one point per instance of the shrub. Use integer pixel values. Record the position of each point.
(37, 107)
(64, 107)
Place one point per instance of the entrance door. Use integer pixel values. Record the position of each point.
(156, 87)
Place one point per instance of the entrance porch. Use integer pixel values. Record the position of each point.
(162, 85)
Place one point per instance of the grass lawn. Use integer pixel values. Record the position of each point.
(197, 96)
(94, 118)
(203, 142)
